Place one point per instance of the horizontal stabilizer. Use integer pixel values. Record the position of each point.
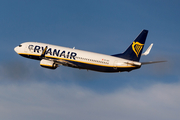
(151, 62)
(148, 50)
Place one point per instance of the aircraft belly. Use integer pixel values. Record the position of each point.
(102, 68)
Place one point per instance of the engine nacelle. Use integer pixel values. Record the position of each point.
(48, 64)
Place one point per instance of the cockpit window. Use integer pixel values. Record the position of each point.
(20, 45)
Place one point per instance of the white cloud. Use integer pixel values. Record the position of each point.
(43, 101)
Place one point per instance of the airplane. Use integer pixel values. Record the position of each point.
(52, 56)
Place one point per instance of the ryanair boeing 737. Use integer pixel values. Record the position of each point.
(51, 56)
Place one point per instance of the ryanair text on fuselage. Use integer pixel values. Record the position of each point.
(53, 52)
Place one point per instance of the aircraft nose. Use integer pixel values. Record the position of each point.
(18, 49)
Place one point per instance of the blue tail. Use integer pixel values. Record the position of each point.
(135, 49)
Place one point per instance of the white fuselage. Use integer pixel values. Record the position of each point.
(79, 58)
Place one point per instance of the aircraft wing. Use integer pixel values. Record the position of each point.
(57, 61)
(64, 62)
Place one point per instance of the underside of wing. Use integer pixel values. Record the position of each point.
(64, 62)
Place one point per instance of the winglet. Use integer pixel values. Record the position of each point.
(44, 52)
(148, 50)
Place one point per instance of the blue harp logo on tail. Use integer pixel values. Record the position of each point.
(137, 47)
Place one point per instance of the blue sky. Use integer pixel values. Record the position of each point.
(28, 91)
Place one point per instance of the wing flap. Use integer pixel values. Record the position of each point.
(64, 62)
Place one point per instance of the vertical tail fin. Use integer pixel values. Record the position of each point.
(135, 49)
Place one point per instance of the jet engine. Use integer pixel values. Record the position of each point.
(48, 64)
